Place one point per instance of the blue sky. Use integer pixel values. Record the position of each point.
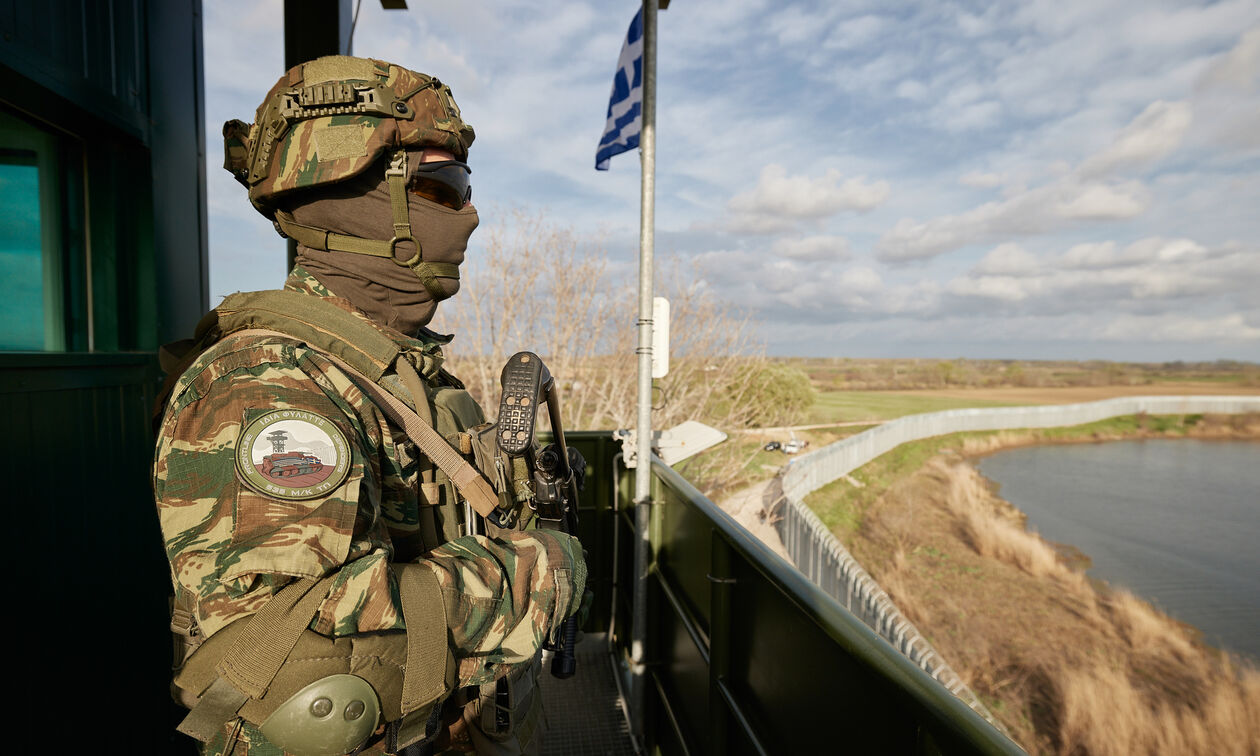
(1067, 179)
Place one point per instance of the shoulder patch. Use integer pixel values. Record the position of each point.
(292, 455)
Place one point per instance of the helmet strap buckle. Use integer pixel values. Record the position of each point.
(397, 164)
(396, 175)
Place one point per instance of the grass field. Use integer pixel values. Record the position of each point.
(850, 406)
(846, 406)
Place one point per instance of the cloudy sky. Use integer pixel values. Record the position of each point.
(1045, 179)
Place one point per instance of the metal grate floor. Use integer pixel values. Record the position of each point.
(584, 714)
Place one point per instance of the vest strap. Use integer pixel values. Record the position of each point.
(475, 488)
(218, 704)
(423, 680)
(257, 655)
(467, 479)
(247, 668)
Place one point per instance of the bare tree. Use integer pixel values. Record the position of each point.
(541, 288)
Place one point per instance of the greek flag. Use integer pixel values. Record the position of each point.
(625, 106)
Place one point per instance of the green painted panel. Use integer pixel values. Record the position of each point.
(93, 579)
(683, 555)
(93, 54)
(802, 674)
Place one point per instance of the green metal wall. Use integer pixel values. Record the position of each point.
(87, 583)
(119, 83)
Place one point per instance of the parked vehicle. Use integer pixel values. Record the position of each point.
(773, 446)
(794, 446)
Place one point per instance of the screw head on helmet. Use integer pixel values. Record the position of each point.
(328, 120)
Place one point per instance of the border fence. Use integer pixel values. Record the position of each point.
(826, 562)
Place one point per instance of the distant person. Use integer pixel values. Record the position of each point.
(328, 593)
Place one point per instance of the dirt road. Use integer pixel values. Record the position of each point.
(748, 508)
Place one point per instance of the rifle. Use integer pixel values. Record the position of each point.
(526, 383)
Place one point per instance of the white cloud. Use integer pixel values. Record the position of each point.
(1035, 211)
(970, 117)
(856, 32)
(1155, 291)
(1025, 135)
(1099, 201)
(1152, 135)
(912, 89)
(1004, 288)
(981, 180)
(812, 248)
(1168, 29)
(1110, 255)
(1107, 276)
(755, 224)
(1238, 69)
(872, 74)
(1170, 327)
(1081, 194)
(1007, 260)
(1227, 96)
(778, 193)
(861, 280)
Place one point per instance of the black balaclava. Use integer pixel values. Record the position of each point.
(388, 291)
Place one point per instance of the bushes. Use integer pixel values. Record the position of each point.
(777, 394)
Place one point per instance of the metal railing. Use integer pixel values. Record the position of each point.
(746, 655)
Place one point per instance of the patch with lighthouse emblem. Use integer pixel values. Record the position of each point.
(292, 455)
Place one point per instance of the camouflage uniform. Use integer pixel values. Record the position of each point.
(231, 547)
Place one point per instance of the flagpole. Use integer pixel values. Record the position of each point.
(643, 428)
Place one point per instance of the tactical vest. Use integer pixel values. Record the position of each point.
(310, 693)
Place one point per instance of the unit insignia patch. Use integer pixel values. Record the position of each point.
(292, 455)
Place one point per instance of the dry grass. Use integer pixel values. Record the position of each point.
(1104, 712)
(990, 530)
(1070, 666)
(974, 446)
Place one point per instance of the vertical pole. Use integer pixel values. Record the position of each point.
(313, 29)
(643, 428)
(721, 627)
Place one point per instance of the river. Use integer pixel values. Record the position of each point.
(1177, 522)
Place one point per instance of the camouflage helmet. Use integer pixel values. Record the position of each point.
(329, 119)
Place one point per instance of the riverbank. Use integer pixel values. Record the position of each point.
(1069, 665)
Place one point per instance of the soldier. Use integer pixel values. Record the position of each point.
(317, 468)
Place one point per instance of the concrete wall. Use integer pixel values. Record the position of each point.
(812, 471)
(826, 562)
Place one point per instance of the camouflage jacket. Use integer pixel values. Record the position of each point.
(231, 545)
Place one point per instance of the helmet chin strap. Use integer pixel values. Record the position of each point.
(330, 241)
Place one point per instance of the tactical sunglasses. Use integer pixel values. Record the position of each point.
(445, 182)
